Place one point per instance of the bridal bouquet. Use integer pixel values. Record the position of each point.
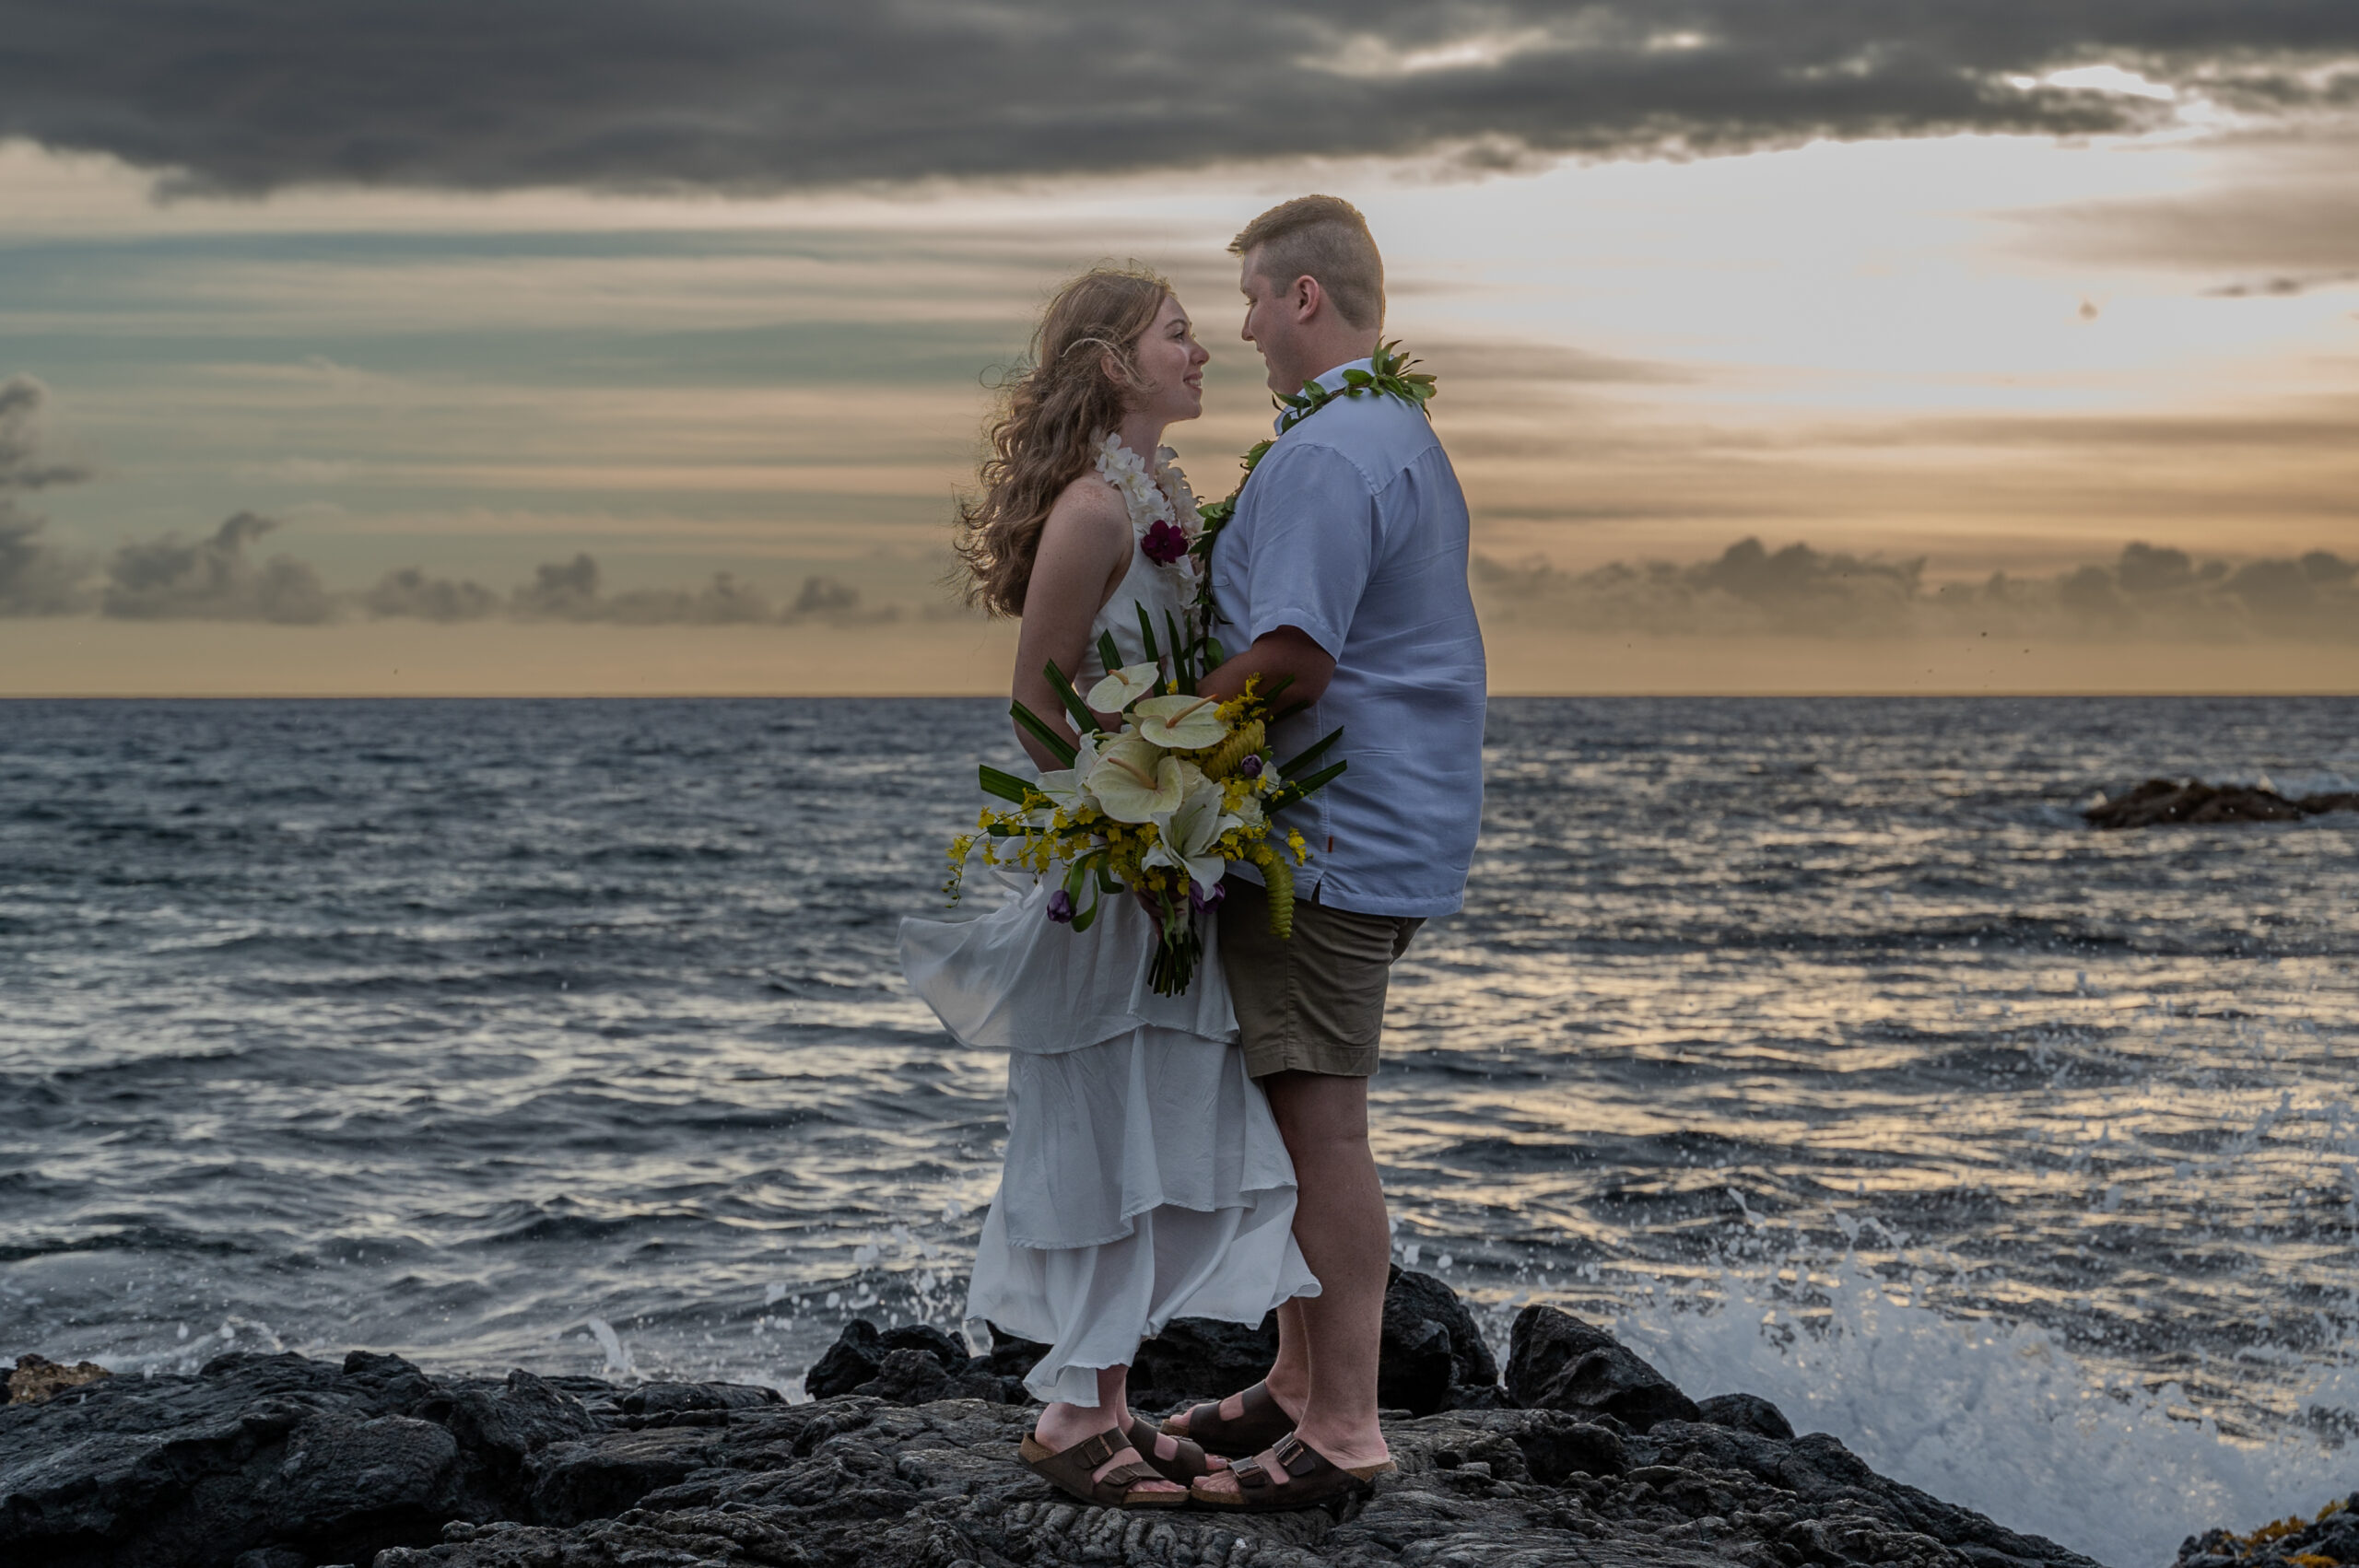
(1160, 807)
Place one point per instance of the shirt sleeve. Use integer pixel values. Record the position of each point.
(1313, 544)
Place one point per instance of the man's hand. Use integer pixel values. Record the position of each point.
(1287, 650)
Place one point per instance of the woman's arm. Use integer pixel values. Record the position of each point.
(1085, 551)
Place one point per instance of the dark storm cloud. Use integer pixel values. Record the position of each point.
(770, 94)
(36, 578)
(2145, 594)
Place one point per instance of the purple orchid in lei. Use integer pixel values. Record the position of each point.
(1201, 899)
(1061, 906)
(1164, 544)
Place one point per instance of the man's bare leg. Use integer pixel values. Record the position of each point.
(1340, 1223)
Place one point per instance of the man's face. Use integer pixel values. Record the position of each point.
(1268, 322)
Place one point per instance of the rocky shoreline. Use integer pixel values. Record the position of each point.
(1581, 1453)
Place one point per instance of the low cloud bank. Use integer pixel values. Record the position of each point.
(2147, 593)
(36, 578)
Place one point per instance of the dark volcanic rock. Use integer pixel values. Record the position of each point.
(1555, 1362)
(1202, 1357)
(2162, 802)
(261, 1452)
(1432, 1357)
(914, 1365)
(2332, 1536)
(854, 1483)
(279, 1462)
(1746, 1412)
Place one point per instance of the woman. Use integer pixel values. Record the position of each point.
(1144, 1178)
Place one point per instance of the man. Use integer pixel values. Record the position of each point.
(1343, 567)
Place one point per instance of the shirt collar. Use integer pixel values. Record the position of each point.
(1334, 379)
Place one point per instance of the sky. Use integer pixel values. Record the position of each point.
(644, 347)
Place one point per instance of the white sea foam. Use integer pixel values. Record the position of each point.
(1998, 1417)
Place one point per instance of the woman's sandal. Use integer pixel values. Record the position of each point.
(1070, 1471)
(1312, 1479)
(1182, 1467)
(1261, 1422)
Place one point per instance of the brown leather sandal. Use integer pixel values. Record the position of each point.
(1261, 1422)
(1312, 1479)
(1182, 1467)
(1069, 1470)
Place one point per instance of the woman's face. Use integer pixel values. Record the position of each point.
(1171, 365)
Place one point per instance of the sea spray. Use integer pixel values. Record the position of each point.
(1996, 1416)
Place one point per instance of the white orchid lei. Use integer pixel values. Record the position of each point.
(1161, 806)
(1163, 509)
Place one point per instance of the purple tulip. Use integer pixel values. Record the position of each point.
(1061, 906)
(1198, 900)
(1251, 767)
(1164, 544)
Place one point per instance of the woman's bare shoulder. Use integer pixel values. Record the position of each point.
(1092, 514)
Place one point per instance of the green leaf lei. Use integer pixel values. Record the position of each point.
(1388, 375)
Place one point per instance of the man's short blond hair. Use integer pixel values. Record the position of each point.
(1325, 238)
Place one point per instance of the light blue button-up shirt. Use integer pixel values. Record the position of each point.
(1353, 530)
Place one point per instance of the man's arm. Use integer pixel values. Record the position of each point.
(1284, 650)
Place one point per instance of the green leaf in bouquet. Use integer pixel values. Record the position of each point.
(1109, 653)
(1005, 786)
(1082, 717)
(1059, 747)
(1146, 634)
(1180, 670)
(1295, 789)
(1310, 754)
(1277, 688)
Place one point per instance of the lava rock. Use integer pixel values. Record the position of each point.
(2160, 802)
(38, 1378)
(1746, 1412)
(856, 1483)
(266, 1454)
(857, 1360)
(2331, 1536)
(1432, 1357)
(1011, 1355)
(1555, 1362)
(1202, 1357)
(354, 1486)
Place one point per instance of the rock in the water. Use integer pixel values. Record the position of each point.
(1555, 1362)
(347, 1483)
(1746, 1412)
(2162, 803)
(38, 1378)
(1433, 1357)
(853, 1360)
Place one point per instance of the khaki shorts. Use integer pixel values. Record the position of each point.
(1313, 1002)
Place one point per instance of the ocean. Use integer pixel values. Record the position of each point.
(1816, 1047)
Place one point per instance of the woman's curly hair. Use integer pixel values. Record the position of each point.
(1072, 388)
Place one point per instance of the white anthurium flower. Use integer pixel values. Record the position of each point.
(1068, 791)
(1135, 779)
(1123, 687)
(1181, 723)
(1189, 836)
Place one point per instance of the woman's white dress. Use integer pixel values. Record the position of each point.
(1145, 1179)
